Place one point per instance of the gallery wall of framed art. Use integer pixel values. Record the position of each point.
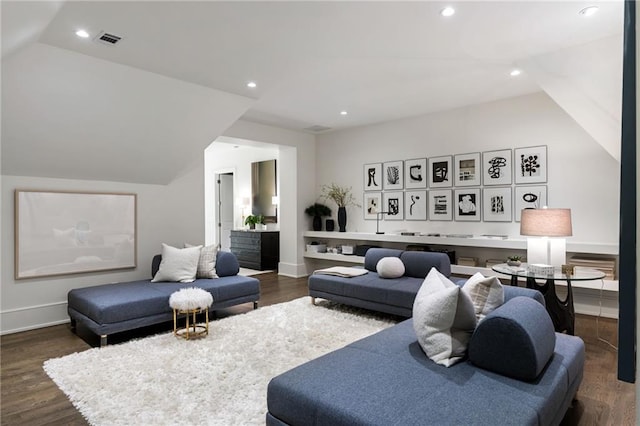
(490, 186)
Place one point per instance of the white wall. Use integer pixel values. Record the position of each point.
(581, 175)
(173, 214)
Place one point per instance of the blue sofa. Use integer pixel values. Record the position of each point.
(518, 372)
(389, 295)
(113, 308)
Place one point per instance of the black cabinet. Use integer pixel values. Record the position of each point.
(256, 249)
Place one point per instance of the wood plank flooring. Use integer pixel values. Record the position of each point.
(29, 397)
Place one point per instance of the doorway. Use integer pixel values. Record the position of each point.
(224, 209)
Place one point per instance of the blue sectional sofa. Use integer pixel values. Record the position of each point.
(113, 308)
(518, 372)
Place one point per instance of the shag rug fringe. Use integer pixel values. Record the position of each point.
(219, 380)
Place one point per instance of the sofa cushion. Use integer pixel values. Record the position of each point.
(486, 293)
(390, 267)
(207, 261)
(178, 265)
(443, 318)
(375, 254)
(417, 264)
(515, 340)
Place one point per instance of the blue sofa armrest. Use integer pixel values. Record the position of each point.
(417, 264)
(516, 340)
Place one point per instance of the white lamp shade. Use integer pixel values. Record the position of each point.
(546, 222)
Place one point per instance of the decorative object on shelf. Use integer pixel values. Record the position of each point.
(529, 197)
(393, 175)
(415, 173)
(440, 172)
(546, 229)
(467, 205)
(415, 203)
(330, 225)
(316, 247)
(372, 177)
(497, 167)
(467, 169)
(316, 211)
(496, 204)
(343, 197)
(514, 260)
(378, 215)
(372, 204)
(531, 164)
(253, 220)
(440, 204)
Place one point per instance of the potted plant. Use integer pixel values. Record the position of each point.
(343, 197)
(253, 220)
(316, 211)
(514, 260)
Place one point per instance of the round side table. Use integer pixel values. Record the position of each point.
(189, 302)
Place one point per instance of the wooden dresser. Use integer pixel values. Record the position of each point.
(256, 249)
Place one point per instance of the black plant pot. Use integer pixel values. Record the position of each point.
(330, 225)
(317, 223)
(342, 219)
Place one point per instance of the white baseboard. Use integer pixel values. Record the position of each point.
(32, 317)
(292, 270)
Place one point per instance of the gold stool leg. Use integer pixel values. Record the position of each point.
(206, 316)
(175, 322)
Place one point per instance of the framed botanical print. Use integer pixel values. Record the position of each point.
(529, 197)
(531, 164)
(440, 204)
(372, 204)
(496, 204)
(415, 173)
(415, 205)
(467, 169)
(393, 205)
(440, 172)
(393, 175)
(372, 177)
(467, 205)
(497, 167)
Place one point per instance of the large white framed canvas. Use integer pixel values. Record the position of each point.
(468, 171)
(467, 205)
(415, 173)
(529, 197)
(393, 175)
(440, 204)
(440, 172)
(393, 204)
(59, 233)
(531, 164)
(496, 204)
(372, 180)
(497, 167)
(415, 205)
(372, 204)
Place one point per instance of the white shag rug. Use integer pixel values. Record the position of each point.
(218, 380)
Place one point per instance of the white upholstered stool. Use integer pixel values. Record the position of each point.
(190, 301)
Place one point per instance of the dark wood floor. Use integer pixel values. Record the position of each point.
(29, 397)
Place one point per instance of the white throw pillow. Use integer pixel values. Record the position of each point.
(443, 319)
(390, 267)
(207, 261)
(486, 293)
(178, 265)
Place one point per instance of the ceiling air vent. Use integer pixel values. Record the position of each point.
(317, 129)
(108, 38)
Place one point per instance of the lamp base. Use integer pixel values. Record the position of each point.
(547, 251)
(379, 232)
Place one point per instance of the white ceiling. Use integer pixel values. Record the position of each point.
(377, 60)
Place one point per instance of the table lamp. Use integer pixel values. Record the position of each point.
(546, 228)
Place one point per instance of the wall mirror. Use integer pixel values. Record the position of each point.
(264, 189)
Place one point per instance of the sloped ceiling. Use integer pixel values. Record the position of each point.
(145, 109)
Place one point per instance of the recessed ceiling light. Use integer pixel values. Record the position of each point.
(588, 11)
(82, 34)
(343, 112)
(515, 72)
(447, 11)
(252, 85)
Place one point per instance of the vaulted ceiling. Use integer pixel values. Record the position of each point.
(144, 109)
